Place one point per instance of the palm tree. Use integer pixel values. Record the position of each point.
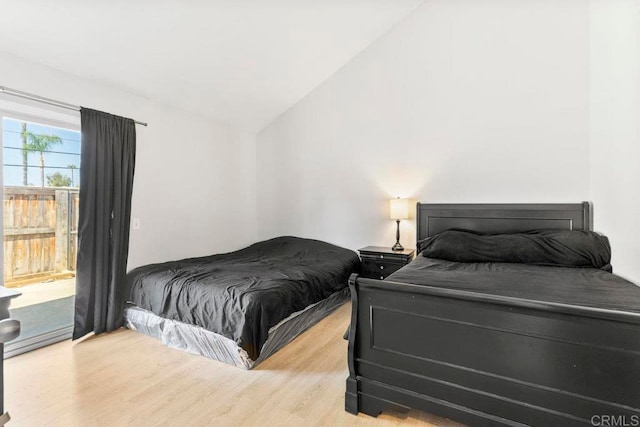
(72, 167)
(38, 143)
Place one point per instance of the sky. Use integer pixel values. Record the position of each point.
(12, 153)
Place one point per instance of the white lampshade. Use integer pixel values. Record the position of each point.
(399, 208)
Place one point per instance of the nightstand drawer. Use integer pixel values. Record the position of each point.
(375, 269)
(393, 258)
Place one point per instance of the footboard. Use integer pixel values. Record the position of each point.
(489, 360)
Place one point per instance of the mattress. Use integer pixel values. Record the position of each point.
(241, 295)
(196, 340)
(583, 287)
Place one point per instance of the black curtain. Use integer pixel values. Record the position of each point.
(106, 180)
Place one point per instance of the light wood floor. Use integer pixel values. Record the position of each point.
(126, 378)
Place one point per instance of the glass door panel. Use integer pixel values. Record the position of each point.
(41, 193)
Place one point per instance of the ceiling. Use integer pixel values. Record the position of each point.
(241, 62)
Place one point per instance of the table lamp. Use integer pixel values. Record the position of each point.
(398, 209)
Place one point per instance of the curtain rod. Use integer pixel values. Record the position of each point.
(49, 101)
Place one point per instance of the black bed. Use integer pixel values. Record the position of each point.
(229, 306)
(497, 343)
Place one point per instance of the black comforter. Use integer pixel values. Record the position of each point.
(242, 294)
(586, 287)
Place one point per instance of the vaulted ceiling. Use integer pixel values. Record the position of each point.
(239, 62)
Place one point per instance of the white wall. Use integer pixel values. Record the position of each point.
(194, 187)
(615, 129)
(463, 101)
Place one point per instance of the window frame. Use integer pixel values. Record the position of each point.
(49, 116)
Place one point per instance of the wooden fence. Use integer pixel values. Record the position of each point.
(40, 233)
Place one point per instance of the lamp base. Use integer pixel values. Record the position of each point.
(397, 247)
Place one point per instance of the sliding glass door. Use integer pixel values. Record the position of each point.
(40, 217)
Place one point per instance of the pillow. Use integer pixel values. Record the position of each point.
(547, 247)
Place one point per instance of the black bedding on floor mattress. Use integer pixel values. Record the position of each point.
(585, 287)
(242, 294)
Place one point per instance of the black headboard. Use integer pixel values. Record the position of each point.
(502, 218)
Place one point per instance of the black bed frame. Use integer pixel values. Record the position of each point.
(490, 360)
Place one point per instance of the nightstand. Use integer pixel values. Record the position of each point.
(378, 262)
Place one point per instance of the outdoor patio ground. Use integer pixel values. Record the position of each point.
(45, 291)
